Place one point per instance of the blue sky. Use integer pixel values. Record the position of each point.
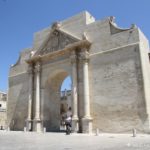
(19, 19)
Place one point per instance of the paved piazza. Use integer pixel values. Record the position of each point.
(60, 141)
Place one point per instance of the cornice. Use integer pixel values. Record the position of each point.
(46, 57)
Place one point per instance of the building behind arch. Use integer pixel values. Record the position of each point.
(3, 107)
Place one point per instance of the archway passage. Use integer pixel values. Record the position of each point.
(65, 100)
(54, 106)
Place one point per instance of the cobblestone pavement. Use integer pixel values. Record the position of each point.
(59, 141)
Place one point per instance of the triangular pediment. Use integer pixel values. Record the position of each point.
(57, 40)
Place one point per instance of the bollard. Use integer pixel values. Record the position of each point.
(25, 129)
(134, 132)
(97, 132)
(44, 130)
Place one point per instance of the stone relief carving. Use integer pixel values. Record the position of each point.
(57, 41)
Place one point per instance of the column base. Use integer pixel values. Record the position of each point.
(75, 124)
(29, 124)
(37, 125)
(86, 125)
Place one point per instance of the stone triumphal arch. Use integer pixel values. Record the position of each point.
(110, 73)
(64, 55)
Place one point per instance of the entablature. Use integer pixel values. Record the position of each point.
(52, 55)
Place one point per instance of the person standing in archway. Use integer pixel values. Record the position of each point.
(68, 121)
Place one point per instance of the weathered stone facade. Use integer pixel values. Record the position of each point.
(3, 107)
(110, 74)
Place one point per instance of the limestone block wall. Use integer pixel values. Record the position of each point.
(18, 101)
(76, 25)
(18, 93)
(117, 100)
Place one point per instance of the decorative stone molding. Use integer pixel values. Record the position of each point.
(37, 67)
(56, 25)
(112, 19)
(57, 41)
(83, 44)
(133, 26)
(114, 28)
(32, 53)
(84, 56)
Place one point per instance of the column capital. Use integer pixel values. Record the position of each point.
(84, 56)
(37, 67)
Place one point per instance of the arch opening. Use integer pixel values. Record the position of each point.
(65, 100)
(57, 100)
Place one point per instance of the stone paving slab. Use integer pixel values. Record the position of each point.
(59, 141)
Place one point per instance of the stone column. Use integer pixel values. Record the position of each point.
(75, 119)
(37, 117)
(86, 120)
(30, 99)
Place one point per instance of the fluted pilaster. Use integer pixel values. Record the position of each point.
(86, 120)
(30, 98)
(37, 117)
(75, 119)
